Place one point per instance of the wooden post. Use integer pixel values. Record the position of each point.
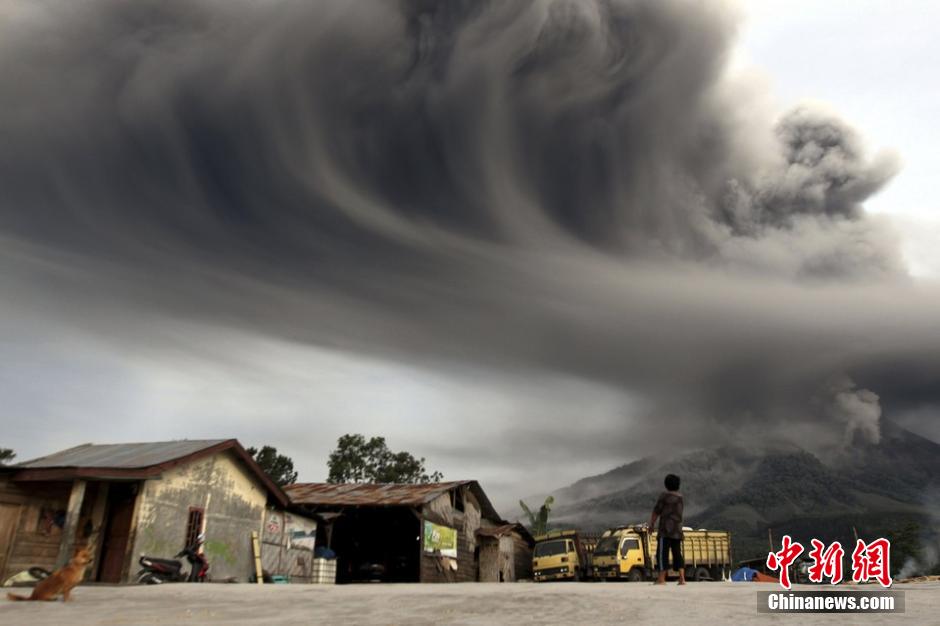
(96, 541)
(256, 548)
(69, 530)
(420, 515)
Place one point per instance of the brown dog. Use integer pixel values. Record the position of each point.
(61, 581)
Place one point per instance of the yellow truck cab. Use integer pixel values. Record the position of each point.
(628, 552)
(560, 555)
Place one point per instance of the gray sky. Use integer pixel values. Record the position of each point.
(528, 243)
(873, 61)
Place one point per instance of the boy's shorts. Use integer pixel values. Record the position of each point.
(665, 545)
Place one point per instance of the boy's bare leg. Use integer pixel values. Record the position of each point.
(682, 576)
(662, 578)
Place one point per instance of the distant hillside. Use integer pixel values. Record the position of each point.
(876, 489)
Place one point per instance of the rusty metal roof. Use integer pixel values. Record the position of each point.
(506, 529)
(496, 531)
(364, 494)
(127, 455)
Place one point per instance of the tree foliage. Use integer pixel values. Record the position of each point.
(538, 523)
(913, 550)
(279, 467)
(358, 460)
(6, 455)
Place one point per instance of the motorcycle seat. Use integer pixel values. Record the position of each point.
(168, 563)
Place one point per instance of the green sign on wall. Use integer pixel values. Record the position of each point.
(440, 539)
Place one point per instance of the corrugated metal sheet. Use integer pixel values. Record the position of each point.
(121, 455)
(506, 529)
(496, 531)
(361, 494)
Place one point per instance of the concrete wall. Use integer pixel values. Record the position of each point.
(234, 503)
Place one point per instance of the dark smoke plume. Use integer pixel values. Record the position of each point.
(560, 185)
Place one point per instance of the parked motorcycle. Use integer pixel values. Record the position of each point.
(39, 573)
(157, 571)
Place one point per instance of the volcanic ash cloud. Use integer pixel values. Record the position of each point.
(553, 185)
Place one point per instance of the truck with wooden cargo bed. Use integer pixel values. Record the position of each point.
(562, 555)
(628, 553)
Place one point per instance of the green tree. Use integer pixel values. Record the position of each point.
(538, 523)
(279, 467)
(6, 455)
(913, 551)
(358, 460)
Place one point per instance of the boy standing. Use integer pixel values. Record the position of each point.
(669, 537)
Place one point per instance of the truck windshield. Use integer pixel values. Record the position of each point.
(548, 548)
(607, 546)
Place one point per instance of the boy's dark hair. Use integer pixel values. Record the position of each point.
(672, 482)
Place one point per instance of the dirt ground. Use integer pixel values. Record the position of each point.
(598, 603)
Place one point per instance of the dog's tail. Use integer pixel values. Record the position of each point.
(16, 598)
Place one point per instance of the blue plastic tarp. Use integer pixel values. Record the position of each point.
(743, 575)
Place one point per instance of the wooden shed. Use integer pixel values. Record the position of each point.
(505, 553)
(125, 500)
(402, 533)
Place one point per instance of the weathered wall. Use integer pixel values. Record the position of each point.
(234, 503)
(35, 540)
(497, 559)
(441, 511)
(287, 545)
(93, 518)
(468, 522)
(507, 557)
(522, 558)
(489, 560)
(435, 569)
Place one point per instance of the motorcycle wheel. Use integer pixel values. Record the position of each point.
(149, 578)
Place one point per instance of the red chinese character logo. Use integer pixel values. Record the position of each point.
(872, 561)
(782, 560)
(826, 563)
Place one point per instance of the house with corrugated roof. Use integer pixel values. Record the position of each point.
(125, 500)
(437, 532)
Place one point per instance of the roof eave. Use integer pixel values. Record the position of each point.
(151, 471)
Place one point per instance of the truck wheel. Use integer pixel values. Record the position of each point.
(577, 575)
(635, 576)
(701, 574)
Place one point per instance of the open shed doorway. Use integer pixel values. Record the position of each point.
(119, 515)
(377, 545)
